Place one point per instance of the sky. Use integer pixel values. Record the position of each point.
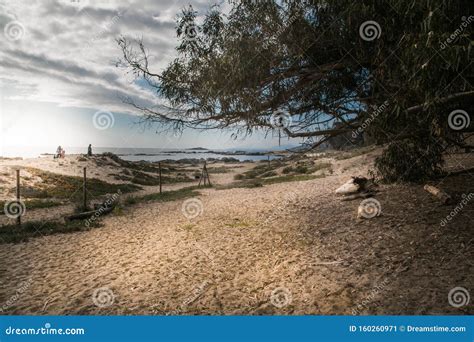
(59, 84)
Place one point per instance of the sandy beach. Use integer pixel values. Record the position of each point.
(285, 248)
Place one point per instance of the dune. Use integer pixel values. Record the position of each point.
(282, 248)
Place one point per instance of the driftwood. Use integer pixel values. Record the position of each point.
(87, 214)
(439, 194)
(356, 185)
(460, 172)
(359, 195)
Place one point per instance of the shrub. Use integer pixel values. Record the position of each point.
(409, 161)
(269, 174)
(301, 169)
(14, 234)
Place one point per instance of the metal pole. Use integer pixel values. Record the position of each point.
(207, 175)
(159, 167)
(18, 219)
(84, 189)
(202, 176)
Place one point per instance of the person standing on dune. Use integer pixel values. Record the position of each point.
(89, 150)
(58, 152)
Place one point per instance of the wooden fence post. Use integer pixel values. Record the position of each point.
(18, 219)
(207, 174)
(201, 178)
(159, 167)
(204, 176)
(84, 189)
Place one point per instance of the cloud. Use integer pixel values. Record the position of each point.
(66, 53)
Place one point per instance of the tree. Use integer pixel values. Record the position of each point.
(318, 69)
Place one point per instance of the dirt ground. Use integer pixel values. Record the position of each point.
(288, 248)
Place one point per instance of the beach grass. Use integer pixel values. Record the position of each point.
(261, 170)
(143, 178)
(342, 155)
(255, 183)
(288, 178)
(34, 204)
(166, 196)
(65, 187)
(218, 169)
(15, 234)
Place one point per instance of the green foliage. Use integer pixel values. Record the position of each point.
(260, 171)
(143, 178)
(142, 166)
(409, 162)
(33, 204)
(269, 174)
(221, 169)
(295, 178)
(14, 234)
(342, 155)
(255, 183)
(305, 168)
(165, 196)
(69, 187)
(309, 60)
(301, 169)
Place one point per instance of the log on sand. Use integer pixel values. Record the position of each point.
(438, 193)
(87, 214)
(356, 196)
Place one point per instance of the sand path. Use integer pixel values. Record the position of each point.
(154, 259)
(289, 248)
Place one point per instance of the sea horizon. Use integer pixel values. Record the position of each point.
(150, 154)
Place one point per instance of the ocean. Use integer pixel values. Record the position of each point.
(146, 154)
